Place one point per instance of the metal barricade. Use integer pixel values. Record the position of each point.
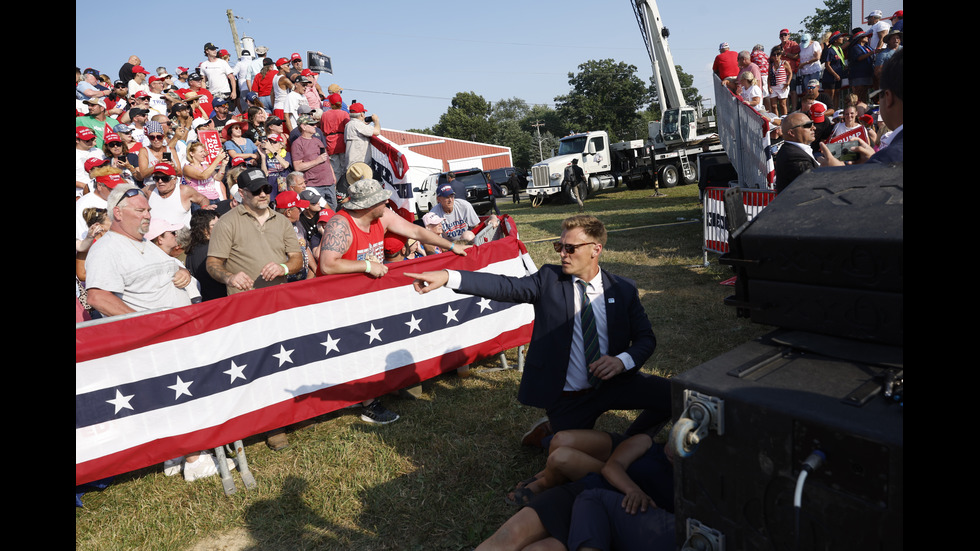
(715, 224)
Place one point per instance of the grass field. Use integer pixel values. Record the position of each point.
(436, 478)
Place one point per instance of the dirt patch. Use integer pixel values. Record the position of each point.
(235, 540)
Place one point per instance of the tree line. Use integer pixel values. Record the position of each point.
(604, 95)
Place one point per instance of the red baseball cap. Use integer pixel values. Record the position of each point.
(110, 180)
(93, 162)
(84, 133)
(288, 199)
(816, 112)
(165, 169)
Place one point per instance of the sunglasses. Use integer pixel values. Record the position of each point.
(266, 189)
(804, 125)
(156, 137)
(162, 178)
(115, 144)
(128, 194)
(568, 247)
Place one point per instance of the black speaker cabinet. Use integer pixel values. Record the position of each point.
(826, 255)
(764, 408)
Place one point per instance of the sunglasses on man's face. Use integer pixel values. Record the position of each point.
(569, 248)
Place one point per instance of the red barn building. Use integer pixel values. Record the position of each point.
(455, 154)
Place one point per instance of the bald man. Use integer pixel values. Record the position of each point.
(795, 156)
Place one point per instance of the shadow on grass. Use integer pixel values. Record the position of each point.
(288, 522)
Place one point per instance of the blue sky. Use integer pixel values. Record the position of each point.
(406, 60)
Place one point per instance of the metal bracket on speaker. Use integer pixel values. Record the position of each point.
(701, 538)
(701, 414)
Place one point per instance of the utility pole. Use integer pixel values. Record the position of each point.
(537, 125)
(234, 35)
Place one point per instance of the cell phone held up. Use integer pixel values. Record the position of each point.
(844, 151)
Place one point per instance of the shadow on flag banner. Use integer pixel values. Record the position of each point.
(164, 384)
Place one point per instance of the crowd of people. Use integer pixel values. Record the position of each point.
(215, 180)
(819, 91)
(162, 222)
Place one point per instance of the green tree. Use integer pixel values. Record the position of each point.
(545, 126)
(606, 95)
(468, 118)
(513, 109)
(506, 116)
(836, 16)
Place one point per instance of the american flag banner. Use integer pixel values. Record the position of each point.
(391, 169)
(164, 384)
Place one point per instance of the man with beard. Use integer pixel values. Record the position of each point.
(125, 272)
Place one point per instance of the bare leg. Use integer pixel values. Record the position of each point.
(520, 530)
(572, 455)
(547, 544)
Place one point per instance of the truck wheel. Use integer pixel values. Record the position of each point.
(669, 176)
(694, 175)
(537, 201)
(504, 190)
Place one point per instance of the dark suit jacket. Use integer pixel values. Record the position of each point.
(551, 293)
(891, 154)
(791, 161)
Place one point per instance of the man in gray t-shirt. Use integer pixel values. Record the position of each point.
(125, 272)
(458, 216)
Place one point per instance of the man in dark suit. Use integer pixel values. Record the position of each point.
(611, 329)
(795, 156)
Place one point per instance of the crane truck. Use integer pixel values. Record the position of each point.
(667, 155)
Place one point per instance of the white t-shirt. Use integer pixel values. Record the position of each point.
(89, 200)
(158, 105)
(294, 105)
(753, 92)
(812, 51)
(137, 272)
(216, 72)
(243, 73)
(881, 25)
(80, 174)
(134, 87)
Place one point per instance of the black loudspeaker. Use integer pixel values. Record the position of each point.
(749, 420)
(826, 255)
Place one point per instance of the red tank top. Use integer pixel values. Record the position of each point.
(370, 244)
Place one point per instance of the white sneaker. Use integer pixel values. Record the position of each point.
(171, 467)
(205, 466)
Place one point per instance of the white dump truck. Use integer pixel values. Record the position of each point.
(667, 156)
